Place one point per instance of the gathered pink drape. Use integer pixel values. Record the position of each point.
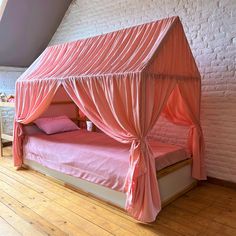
(34, 100)
(122, 81)
(187, 112)
(118, 106)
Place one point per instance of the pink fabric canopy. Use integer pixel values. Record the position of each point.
(122, 81)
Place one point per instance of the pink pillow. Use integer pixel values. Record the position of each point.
(57, 124)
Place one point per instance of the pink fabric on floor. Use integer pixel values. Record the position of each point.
(94, 157)
(189, 101)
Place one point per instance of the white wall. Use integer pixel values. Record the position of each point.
(210, 27)
(8, 77)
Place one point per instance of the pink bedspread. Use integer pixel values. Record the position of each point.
(77, 153)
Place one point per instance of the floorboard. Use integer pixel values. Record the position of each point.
(31, 204)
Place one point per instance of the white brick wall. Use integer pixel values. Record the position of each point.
(8, 77)
(210, 27)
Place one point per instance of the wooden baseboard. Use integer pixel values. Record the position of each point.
(221, 182)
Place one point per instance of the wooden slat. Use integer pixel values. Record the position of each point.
(28, 215)
(6, 229)
(200, 225)
(7, 137)
(173, 168)
(22, 226)
(7, 104)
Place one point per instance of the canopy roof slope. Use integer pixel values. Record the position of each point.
(173, 56)
(157, 47)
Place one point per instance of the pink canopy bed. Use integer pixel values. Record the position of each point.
(122, 81)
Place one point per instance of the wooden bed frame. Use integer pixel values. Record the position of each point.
(174, 181)
(77, 119)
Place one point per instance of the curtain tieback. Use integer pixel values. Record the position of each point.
(139, 163)
(197, 127)
(141, 140)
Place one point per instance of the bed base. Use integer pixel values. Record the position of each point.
(173, 181)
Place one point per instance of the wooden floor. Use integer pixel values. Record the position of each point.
(31, 204)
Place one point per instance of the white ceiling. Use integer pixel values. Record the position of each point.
(26, 28)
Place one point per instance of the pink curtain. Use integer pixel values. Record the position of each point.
(32, 100)
(109, 78)
(125, 107)
(119, 106)
(183, 107)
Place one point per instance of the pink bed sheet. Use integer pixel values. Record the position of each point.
(77, 153)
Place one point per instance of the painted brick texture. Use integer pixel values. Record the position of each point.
(8, 77)
(210, 27)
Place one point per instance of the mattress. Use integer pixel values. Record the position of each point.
(92, 156)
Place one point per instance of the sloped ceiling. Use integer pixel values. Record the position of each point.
(26, 28)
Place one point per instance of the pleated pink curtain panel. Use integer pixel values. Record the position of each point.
(32, 99)
(120, 52)
(119, 107)
(187, 95)
(117, 81)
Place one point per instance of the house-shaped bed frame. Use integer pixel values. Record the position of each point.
(122, 81)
